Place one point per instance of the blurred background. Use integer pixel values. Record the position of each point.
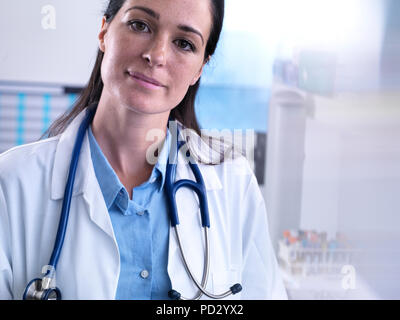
(316, 82)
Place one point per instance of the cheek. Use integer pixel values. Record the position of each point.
(183, 73)
(116, 58)
(108, 66)
(181, 80)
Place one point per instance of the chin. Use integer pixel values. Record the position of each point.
(143, 107)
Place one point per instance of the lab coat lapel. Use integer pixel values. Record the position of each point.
(90, 257)
(106, 256)
(85, 178)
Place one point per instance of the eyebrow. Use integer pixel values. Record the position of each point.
(147, 10)
(156, 16)
(190, 29)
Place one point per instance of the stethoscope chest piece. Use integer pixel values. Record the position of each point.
(34, 291)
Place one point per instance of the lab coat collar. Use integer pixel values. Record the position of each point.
(85, 166)
(86, 184)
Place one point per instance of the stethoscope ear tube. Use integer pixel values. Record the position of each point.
(197, 186)
(201, 194)
(173, 294)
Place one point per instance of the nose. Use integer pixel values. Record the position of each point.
(155, 54)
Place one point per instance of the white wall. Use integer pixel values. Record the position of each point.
(353, 143)
(64, 55)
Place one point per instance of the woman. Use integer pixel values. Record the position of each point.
(118, 243)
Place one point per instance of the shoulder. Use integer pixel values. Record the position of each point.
(237, 180)
(235, 169)
(222, 156)
(27, 159)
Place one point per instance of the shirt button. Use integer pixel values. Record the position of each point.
(144, 274)
(140, 213)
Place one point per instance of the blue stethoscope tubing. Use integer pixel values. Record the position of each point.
(62, 226)
(198, 187)
(42, 289)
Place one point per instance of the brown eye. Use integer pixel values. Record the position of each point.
(185, 45)
(139, 26)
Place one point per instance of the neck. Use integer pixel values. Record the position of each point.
(125, 137)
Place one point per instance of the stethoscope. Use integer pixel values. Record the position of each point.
(45, 288)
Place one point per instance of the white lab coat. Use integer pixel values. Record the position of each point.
(32, 182)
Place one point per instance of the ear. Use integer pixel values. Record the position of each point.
(198, 75)
(104, 26)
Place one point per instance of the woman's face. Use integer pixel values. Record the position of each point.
(153, 51)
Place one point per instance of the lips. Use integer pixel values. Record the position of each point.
(144, 78)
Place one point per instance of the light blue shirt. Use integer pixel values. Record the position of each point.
(141, 227)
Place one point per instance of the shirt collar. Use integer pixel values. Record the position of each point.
(109, 182)
(161, 164)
